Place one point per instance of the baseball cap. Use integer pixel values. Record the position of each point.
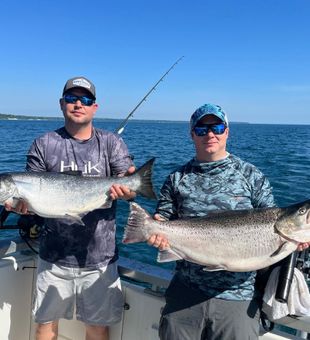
(80, 82)
(208, 109)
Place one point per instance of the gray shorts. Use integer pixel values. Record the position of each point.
(189, 315)
(96, 293)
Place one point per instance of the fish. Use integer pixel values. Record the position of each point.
(232, 240)
(70, 195)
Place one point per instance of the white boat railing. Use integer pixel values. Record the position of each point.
(143, 287)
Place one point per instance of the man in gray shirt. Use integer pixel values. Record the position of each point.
(78, 262)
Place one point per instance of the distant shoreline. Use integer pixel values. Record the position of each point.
(22, 117)
(12, 117)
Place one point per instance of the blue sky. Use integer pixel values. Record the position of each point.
(252, 57)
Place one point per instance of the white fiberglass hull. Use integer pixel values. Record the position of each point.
(140, 318)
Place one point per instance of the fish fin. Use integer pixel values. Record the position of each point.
(278, 250)
(75, 219)
(168, 255)
(23, 183)
(145, 173)
(214, 268)
(107, 204)
(137, 220)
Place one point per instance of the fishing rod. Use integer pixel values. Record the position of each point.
(123, 124)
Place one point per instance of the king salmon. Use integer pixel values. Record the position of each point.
(64, 195)
(236, 240)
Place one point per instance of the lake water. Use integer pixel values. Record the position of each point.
(282, 152)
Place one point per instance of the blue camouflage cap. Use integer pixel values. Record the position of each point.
(208, 109)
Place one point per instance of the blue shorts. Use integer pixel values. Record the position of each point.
(96, 293)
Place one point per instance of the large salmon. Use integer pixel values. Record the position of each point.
(61, 195)
(239, 240)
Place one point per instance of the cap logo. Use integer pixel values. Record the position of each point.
(81, 83)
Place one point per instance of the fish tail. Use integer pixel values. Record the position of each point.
(138, 219)
(146, 188)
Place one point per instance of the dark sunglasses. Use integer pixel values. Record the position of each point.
(203, 129)
(70, 98)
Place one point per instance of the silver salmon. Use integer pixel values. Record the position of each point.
(63, 195)
(238, 241)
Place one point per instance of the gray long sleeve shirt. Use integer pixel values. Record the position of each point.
(104, 154)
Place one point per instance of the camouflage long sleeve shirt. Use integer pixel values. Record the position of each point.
(197, 188)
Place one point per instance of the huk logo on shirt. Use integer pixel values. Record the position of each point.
(88, 167)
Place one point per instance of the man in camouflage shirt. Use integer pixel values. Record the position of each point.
(218, 305)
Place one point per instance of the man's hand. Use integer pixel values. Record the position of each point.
(20, 208)
(118, 191)
(303, 246)
(130, 171)
(158, 240)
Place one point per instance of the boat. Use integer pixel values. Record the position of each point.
(143, 286)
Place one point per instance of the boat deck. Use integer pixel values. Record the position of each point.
(143, 287)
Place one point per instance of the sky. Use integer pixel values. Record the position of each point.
(252, 57)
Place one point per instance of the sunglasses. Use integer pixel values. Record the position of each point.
(70, 98)
(203, 129)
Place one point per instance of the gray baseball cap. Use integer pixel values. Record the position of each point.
(80, 82)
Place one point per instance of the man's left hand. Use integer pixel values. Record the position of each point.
(303, 246)
(119, 191)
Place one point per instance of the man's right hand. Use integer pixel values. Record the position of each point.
(21, 207)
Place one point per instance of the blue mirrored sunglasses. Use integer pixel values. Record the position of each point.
(70, 98)
(203, 129)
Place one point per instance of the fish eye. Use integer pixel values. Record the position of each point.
(302, 211)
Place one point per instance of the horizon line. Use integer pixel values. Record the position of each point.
(14, 117)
